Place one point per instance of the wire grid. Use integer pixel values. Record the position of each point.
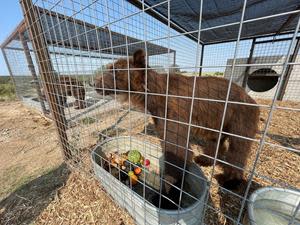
(21, 76)
(23, 80)
(104, 117)
(267, 59)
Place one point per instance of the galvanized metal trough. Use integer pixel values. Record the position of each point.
(272, 205)
(138, 204)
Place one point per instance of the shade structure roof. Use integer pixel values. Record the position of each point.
(221, 18)
(66, 32)
(72, 33)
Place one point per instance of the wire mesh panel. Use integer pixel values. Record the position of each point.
(20, 59)
(21, 72)
(268, 55)
(150, 97)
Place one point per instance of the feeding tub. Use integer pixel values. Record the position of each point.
(273, 206)
(137, 200)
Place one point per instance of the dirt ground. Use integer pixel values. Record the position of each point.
(34, 181)
(276, 166)
(38, 188)
(28, 143)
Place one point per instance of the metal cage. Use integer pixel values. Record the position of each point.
(133, 68)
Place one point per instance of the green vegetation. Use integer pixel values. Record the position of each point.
(217, 73)
(7, 90)
(88, 120)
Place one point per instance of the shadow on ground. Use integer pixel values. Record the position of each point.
(231, 203)
(285, 141)
(27, 202)
(227, 211)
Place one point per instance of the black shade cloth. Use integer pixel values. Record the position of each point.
(185, 14)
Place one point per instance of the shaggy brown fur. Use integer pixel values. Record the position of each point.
(240, 119)
(69, 86)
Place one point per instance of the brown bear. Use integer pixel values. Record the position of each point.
(204, 124)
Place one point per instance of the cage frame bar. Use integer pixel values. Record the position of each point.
(33, 72)
(46, 69)
(246, 74)
(286, 76)
(289, 64)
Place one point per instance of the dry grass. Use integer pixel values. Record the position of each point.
(35, 188)
(27, 202)
(81, 200)
(276, 166)
(28, 143)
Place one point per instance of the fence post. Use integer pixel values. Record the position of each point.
(47, 72)
(287, 75)
(249, 60)
(201, 60)
(32, 71)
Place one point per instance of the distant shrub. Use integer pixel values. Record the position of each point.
(218, 73)
(7, 90)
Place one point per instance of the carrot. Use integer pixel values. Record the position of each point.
(137, 170)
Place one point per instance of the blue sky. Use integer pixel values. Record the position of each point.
(10, 16)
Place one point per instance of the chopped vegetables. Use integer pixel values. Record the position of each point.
(133, 179)
(134, 156)
(137, 170)
(131, 163)
(147, 162)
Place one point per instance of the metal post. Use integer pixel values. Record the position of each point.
(246, 74)
(201, 60)
(9, 70)
(47, 72)
(32, 71)
(287, 75)
(174, 58)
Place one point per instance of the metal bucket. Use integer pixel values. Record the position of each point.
(140, 209)
(273, 206)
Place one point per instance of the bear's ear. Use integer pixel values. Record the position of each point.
(139, 58)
